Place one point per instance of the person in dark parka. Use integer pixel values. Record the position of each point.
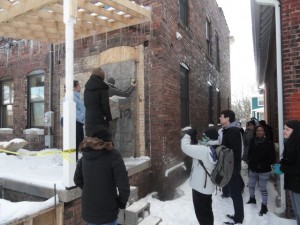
(96, 102)
(289, 164)
(103, 178)
(261, 157)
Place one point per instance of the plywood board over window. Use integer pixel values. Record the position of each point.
(125, 64)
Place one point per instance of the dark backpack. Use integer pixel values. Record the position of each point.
(222, 173)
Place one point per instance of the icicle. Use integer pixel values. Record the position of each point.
(30, 50)
(54, 58)
(106, 38)
(94, 39)
(7, 53)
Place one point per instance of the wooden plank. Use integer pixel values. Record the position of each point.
(23, 7)
(5, 4)
(28, 37)
(101, 11)
(81, 15)
(44, 217)
(128, 8)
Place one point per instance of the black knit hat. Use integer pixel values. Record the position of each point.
(251, 122)
(211, 133)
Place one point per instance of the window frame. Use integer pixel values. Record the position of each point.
(259, 100)
(3, 106)
(218, 65)
(210, 104)
(208, 36)
(31, 104)
(183, 12)
(184, 95)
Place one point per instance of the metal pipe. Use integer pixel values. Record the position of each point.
(174, 168)
(276, 4)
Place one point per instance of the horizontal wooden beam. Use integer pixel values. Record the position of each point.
(128, 8)
(22, 7)
(5, 4)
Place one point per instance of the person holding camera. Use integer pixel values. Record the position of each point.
(202, 186)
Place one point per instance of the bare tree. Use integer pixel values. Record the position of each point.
(241, 103)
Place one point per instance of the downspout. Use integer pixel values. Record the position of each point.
(50, 75)
(50, 85)
(276, 4)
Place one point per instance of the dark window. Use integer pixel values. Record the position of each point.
(183, 12)
(218, 104)
(208, 36)
(7, 100)
(217, 51)
(210, 101)
(36, 98)
(184, 96)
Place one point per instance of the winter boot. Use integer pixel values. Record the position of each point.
(252, 200)
(263, 210)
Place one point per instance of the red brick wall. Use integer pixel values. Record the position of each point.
(163, 56)
(291, 58)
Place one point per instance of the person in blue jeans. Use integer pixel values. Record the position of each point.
(232, 139)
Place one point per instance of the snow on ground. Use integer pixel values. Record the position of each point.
(46, 170)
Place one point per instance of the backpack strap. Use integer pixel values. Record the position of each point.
(207, 173)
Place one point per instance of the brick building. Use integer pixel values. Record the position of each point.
(276, 46)
(180, 60)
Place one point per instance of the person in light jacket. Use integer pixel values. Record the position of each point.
(202, 187)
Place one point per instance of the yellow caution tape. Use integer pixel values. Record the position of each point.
(65, 153)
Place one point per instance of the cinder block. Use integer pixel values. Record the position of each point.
(133, 197)
(136, 212)
(150, 220)
(121, 217)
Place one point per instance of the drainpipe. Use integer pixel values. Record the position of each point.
(276, 4)
(50, 74)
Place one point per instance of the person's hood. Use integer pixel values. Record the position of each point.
(94, 147)
(95, 83)
(233, 124)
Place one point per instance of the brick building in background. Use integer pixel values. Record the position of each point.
(277, 61)
(180, 60)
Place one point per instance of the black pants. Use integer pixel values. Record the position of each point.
(79, 136)
(235, 192)
(203, 208)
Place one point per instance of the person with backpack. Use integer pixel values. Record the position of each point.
(261, 156)
(232, 140)
(201, 184)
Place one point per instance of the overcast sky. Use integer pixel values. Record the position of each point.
(238, 17)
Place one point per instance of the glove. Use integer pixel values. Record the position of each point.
(276, 169)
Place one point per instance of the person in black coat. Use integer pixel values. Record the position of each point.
(96, 102)
(289, 165)
(103, 178)
(261, 156)
(232, 139)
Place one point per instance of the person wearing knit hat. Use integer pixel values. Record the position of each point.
(290, 163)
(202, 186)
(211, 133)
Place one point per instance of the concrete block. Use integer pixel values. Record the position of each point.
(133, 197)
(150, 220)
(136, 212)
(121, 217)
